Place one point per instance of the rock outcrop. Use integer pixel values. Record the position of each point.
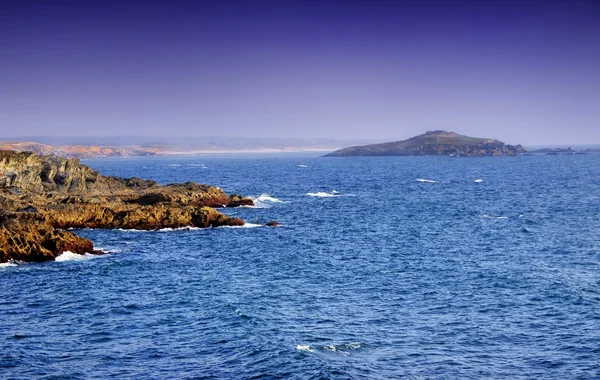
(434, 143)
(41, 196)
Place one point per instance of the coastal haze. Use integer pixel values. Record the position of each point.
(525, 72)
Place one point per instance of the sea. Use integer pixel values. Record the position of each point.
(380, 268)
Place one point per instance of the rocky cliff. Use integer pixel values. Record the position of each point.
(41, 196)
(434, 143)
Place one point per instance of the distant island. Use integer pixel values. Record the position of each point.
(434, 143)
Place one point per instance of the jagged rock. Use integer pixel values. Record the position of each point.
(54, 194)
(236, 200)
(272, 223)
(32, 239)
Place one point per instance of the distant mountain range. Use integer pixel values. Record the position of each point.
(88, 147)
(434, 143)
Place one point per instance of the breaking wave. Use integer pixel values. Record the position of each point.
(486, 216)
(10, 263)
(323, 194)
(70, 256)
(265, 201)
(247, 225)
(425, 180)
(344, 348)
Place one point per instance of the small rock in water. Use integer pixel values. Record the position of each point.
(272, 223)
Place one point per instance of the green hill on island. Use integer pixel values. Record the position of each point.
(434, 143)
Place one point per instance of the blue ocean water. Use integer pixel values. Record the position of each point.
(393, 277)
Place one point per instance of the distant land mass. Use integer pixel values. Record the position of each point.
(434, 143)
(124, 146)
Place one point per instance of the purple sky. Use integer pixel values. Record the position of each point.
(524, 71)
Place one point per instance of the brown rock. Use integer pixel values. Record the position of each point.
(40, 196)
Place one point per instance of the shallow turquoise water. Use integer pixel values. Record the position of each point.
(392, 277)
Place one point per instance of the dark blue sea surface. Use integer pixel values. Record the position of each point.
(393, 277)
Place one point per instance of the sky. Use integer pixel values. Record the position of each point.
(521, 71)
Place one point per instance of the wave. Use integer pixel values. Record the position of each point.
(478, 180)
(425, 180)
(486, 216)
(11, 263)
(323, 194)
(247, 225)
(187, 228)
(304, 348)
(197, 165)
(173, 165)
(268, 198)
(108, 250)
(341, 348)
(302, 166)
(70, 256)
(265, 201)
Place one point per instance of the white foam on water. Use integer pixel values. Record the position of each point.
(486, 216)
(323, 194)
(197, 165)
(247, 225)
(478, 180)
(264, 201)
(173, 165)
(304, 348)
(302, 166)
(108, 250)
(425, 180)
(8, 264)
(70, 256)
(354, 345)
(268, 198)
(169, 229)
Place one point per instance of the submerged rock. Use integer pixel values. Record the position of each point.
(41, 196)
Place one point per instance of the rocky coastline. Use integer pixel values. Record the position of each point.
(42, 197)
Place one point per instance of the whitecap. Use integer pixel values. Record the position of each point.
(478, 180)
(323, 194)
(197, 165)
(247, 225)
(425, 180)
(108, 250)
(353, 345)
(304, 348)
(70, 256)
(302, 166)
(268, 198)
(173, 165)
(7, 264)
(264, 201)
(486, 216)
(187, 228)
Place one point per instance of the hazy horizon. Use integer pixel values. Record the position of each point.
(524, 72)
